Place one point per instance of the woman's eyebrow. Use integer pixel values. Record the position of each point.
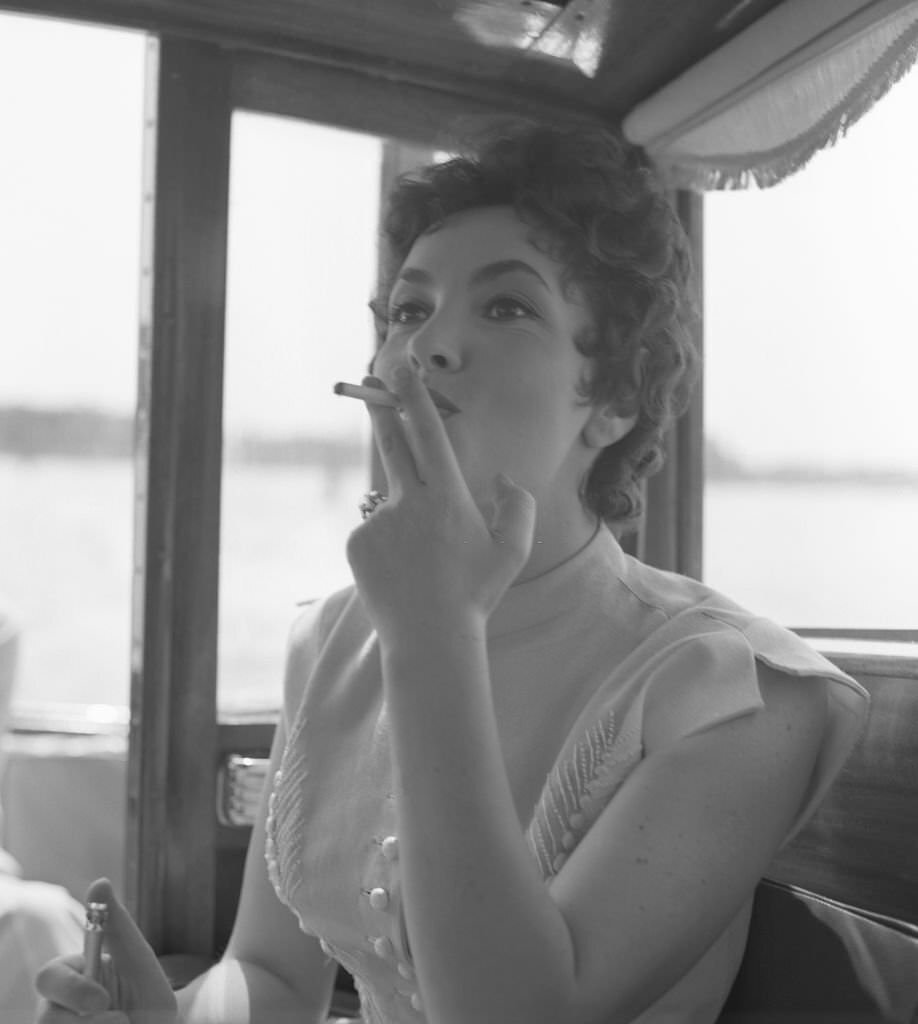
(415, 275)
(491, 270)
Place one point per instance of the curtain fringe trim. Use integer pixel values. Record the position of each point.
(767, 168)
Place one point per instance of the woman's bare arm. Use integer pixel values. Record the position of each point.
(662, 872)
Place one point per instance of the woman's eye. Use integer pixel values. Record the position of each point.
(406, 313)
(505, 307)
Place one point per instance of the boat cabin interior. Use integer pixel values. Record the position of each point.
(723, 94)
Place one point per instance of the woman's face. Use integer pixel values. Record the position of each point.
(480, 313)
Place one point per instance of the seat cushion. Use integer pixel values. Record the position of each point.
(812, 959)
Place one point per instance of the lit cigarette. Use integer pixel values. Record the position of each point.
(93, 930)
(379, 396)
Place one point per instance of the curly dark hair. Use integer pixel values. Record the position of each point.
(596, 206)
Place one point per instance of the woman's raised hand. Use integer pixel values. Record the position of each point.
(431, 553)
(132, 988)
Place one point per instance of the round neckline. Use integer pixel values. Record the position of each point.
(576, 582)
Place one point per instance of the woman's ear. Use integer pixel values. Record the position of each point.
(611, 421)
(607, 425)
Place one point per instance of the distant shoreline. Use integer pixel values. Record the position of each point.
(29, 433)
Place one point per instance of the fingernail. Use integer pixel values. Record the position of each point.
(373, 382)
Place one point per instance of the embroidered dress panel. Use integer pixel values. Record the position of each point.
(579, 787)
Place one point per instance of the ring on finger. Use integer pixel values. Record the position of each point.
(371, 501)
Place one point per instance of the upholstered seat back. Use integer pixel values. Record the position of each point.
(811, 960)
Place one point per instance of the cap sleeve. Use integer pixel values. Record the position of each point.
(709, 677)
(848, 704)
(697, 682)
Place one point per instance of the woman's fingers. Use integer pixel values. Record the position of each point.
(432, 449)
(394, 451)
(513, 522)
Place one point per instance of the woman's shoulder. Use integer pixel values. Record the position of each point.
(710, 660)
(317, 617)
(678, 597)
(316, 621)
(697, 620)
(703, 661)
(696, 658)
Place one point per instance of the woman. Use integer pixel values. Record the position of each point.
(520, 776)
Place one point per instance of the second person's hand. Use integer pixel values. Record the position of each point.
(132, 989)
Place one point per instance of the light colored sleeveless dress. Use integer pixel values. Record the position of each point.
(578, 657)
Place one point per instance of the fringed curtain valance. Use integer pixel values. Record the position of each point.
(757, 109)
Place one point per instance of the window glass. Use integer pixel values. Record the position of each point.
(71, 107)
(811, 361)
(304, 206)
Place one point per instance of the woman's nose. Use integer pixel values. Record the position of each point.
(436, 346)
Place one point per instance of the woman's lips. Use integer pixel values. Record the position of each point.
(443, 403)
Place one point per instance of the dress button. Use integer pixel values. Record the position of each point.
(382, 946)
(405, 970)
(379, 898)
(577, 820)
(278, 775)
(416, 1002)
(568, 840)
(559, 861)
(390, 848)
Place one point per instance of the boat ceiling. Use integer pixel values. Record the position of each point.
(600, 57)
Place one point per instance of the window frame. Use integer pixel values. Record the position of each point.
(193, 88)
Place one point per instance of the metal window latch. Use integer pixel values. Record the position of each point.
(240, 783)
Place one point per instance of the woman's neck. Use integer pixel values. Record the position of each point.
(558, 537)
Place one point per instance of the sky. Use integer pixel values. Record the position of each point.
(810, 296)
